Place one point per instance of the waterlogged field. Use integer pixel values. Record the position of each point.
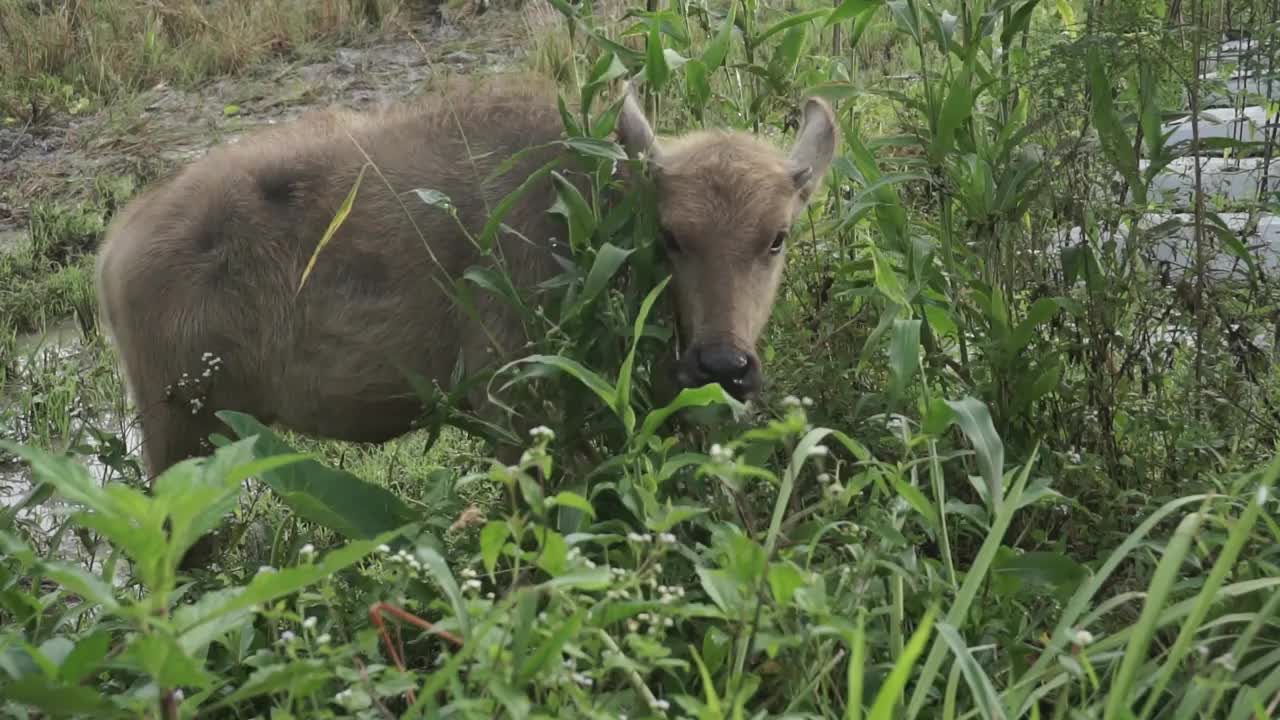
(1015, 457)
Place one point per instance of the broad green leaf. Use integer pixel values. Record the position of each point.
(711, 394)
(904, 354)
(850, 9)
(917, 501)
(1041, 312)
(905, 17)
(975, 421)
(574, 208)
(955, 110)
(86, 657)
(609, 259)
(856, 667)
(622, 400)
(589, 378)
(70, 478)
(489, 233)
(333, 498)
(159, 656)
(435, 562)
(832, 90)
(790, 23)
(786, 56)
(492, 538)
(674, 59)
(565, 498)
(887, 281)
(203, 633)
(275, 678)
(708, 686)
(76, 579)
(1110, 132)
(718, 49)
(497, 282)
(655, 65)
(784, 579)
(592, 579)
(697, 87)
(60, 699)
(1053, 571)
(1068, 16)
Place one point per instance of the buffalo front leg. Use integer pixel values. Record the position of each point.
(175, 429)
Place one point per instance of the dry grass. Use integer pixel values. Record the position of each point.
(67, 51)
(550, 52)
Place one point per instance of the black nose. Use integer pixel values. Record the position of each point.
(723, 364)
(736, 371)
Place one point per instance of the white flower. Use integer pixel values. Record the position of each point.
(1083, 638)
(582, 680)
(310, 623)
(661, 705)
(818, 451)
(790, 401)
(323, 639)
(806, 401)
(307, 550)
(384, 549)
(721, 454)
(286, 637)
(542, 431)
(666, 538)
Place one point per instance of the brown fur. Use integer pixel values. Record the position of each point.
(206, 265)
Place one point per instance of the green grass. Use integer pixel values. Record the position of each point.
(979, 484)
(50, 273)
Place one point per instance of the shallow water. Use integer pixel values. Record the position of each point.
(42, 525)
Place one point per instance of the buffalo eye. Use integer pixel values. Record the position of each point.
(778, 241)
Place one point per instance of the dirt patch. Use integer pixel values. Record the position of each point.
(165, 126)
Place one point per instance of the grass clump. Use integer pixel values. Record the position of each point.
(69, 54)
(50, 274)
